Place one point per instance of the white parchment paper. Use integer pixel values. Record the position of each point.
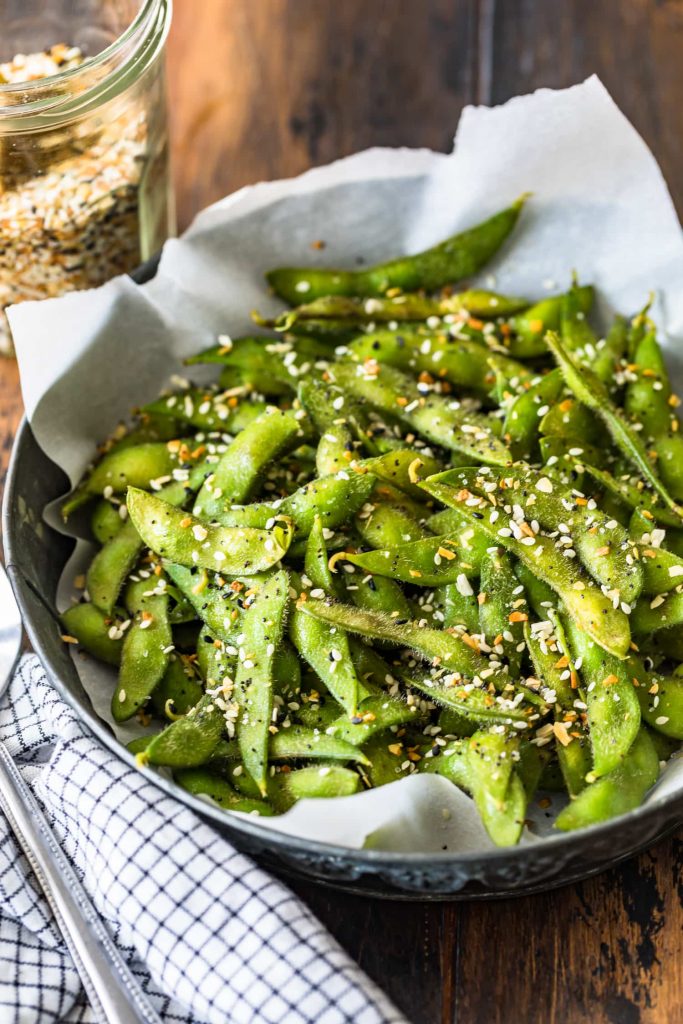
(599, 205)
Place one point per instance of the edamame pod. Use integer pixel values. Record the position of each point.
(236, 475)
(592, 610)
(200, 782)
(96, 632)
(458, 257)
(312, 783)
(529, 328)
(613, 708)
(139, 466)
(495, 786)
(181, 537)
(444, 422)
(620, 791)
(207, 409)
(146, 647)
(459, 360)
(190, 741)
(594, 395)
(262, 628)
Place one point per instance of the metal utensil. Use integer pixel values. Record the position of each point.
(114, 993)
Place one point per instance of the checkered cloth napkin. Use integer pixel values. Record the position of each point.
(211, 936)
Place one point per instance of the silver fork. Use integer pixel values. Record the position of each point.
(114, 993)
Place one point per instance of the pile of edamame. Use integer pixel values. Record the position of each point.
(414, 528)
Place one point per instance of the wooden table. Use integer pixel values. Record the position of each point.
(266, 88)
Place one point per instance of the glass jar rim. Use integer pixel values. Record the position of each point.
(51, 100)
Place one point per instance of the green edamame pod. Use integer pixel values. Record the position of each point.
(184, 538)
(571, 420)
(430, 562)
(387, 760)
(240, 467)
(372, 668)
(575, 760)
(458, 257)
(378, 594)
(592, 393)
(453, 657)
(472, 542)
(631, 493)
(451, 762)
(460, 609)
(214, 600)
(335, 499)
(411, 306)
(263, 365)
(316, 562)
(177, 692)
(105, 521)
(522, 418)
(338, 431)
(661, 702)
(386, 523)
(638, 327)
(240, 352)
(262, 628)
(495, 786)
(610, 353)
(375, 715)
(662, 569)
(300, 743)
(601, 543)
(190, 741)
(95, 632)
(111, 565)
(403, 468)
(448, 650)
(201, 782)
(459, 360)
(553, 668)
(439, 420)
(613, 708)
(207, 409)
(146, 647)
(541, 597)
(566, 460)
(575, 330)
(150, 428)
(592, 609)
(661, 612)
(648, 390)
(498, 622)
(286, 671)
(127, 467)
(324, 649)
(312, 783)
(530, 327)
(471, 704)
(648, 404)
(616, 793)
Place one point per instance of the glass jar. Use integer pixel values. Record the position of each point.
(84, 171)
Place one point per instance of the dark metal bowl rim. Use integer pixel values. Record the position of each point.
(561, 842)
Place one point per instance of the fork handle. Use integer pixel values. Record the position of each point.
(114, 993)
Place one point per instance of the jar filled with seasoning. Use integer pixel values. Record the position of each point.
(84, 172)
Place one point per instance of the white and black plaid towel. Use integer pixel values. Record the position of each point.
(211, 936)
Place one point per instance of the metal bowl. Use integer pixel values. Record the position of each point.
(36, 555)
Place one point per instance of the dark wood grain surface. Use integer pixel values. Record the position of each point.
(266, 88)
